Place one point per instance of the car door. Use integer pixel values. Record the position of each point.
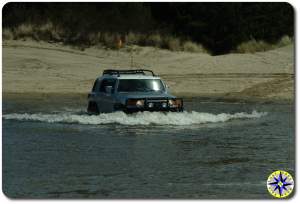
(94, 96)
(106, 102)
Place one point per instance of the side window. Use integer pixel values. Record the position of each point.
(95, 85)
(108, 82)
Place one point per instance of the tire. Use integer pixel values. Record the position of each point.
(93, 108)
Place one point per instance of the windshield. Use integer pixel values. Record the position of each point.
(140, 85)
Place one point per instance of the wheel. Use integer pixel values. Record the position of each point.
(93, 108)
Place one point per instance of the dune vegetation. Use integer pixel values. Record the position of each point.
(215, 28)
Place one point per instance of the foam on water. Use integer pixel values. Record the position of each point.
(141, 118)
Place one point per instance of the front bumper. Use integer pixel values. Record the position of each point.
(134, 110)
(157, 106)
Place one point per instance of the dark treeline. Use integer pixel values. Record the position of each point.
(219, 27)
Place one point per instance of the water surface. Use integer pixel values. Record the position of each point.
(52, 149)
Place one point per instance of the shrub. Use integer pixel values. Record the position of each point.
(7, 34)
(154, 40)
(24, 31)
(253, 46)
(110, 40)
(94, 38)
(107, 39)
(190, 46)
(44, 32)
(171, 43)
(57, 33)
(284, 41)
(132, 38)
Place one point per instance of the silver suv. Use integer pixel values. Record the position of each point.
(131, 91)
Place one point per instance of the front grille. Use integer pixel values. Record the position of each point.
(156, 103)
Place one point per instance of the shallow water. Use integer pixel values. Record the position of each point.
(213, 150)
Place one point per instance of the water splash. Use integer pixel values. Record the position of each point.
(141, 118)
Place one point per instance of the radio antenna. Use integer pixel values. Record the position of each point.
(131, 60)
(132, 50)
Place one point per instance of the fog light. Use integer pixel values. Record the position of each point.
(164, 105)
(150, 105)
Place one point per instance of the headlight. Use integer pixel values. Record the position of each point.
(171, 103)
(175, 103)
(140, 103)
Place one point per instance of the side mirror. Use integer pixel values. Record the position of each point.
(108, 89)
(167, 88)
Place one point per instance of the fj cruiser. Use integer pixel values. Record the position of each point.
(131, 91)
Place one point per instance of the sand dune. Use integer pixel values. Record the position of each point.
(36, 67)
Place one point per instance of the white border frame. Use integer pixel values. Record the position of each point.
(294, 199)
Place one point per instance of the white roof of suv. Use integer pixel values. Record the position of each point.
(129, 74)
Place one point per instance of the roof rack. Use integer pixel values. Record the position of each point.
(129, 71)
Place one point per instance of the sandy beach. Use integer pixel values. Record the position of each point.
(37, 68)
